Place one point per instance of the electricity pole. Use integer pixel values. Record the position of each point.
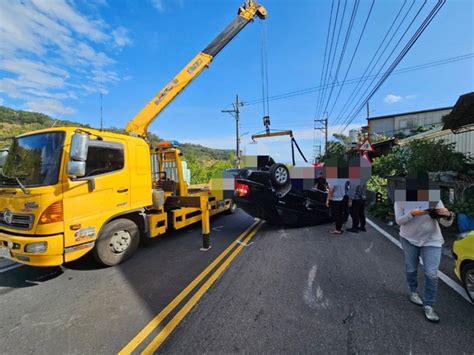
(322, 125)
(235, 112)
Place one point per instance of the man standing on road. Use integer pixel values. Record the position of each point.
(357, 198)
(345, 202)
(419, 212)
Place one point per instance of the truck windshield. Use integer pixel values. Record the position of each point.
(33, 160)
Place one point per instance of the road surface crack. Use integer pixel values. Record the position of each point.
(351, 341)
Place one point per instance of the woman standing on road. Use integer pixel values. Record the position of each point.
(335, 203)
(421, 237)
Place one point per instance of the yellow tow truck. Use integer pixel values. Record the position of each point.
(67, 191)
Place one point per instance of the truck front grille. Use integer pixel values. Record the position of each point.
(19, 221)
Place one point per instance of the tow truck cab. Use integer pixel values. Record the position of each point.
(48, 215)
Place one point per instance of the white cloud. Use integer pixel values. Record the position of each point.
(1, 101)
(391, 99)
(49, 107)
(62, 12)
(121, 37)
(158, 4)
(48, 49)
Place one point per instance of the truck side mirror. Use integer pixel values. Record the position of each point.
(79, 146)
(76, 166)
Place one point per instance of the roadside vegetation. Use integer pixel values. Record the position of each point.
(419, 156)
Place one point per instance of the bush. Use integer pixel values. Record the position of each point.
(378, 184)
(381, 210)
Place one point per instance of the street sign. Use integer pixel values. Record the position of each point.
(365, 155)
(366, 146)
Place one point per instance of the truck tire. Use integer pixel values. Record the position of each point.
(117, 242)
(279, 175)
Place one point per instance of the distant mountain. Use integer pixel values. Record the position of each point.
(14, 122)
(202, 161)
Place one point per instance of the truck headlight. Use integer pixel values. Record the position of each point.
(39, 247)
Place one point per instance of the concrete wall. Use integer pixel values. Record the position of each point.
(425, 119)
(391, 125)
(382, 126)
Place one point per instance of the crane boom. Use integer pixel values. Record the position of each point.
(138, 125)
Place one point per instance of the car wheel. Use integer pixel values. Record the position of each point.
(117, 242)
(467, 274)
(279, 175)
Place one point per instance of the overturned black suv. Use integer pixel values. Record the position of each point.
(269, 193)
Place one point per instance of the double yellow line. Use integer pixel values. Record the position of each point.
(156, 342)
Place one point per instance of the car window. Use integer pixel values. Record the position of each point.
(104, 157)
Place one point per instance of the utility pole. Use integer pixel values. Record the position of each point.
(235, 112)
(322, 125)
(368, 110)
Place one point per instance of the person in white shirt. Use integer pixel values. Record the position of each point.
(420, 236)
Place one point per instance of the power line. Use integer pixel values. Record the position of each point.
(399, 58)
(352, 59)
(325, 52)
(329, 58)
(344, 47)
(310, 90)
(370, 68)
(334, 57)
(386, 60)
(358, 102)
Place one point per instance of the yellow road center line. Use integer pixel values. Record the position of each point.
(155, 322)
(174, 322)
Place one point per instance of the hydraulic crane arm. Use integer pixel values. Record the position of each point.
(139, 124)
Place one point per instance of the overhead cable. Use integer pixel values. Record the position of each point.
(399, 58)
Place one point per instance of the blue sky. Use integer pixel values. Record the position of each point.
(57, 55)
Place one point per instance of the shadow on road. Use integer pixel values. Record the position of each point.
(27, 277)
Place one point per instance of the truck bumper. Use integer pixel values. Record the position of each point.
(13, 248)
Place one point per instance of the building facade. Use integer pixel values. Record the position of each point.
(405, 124)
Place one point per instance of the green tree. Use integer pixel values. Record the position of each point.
(435, 156)
(334, 149)
(342, 138)
(420, 156)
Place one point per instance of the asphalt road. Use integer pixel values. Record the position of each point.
(306, 291)
(288, 291)
(82, 308)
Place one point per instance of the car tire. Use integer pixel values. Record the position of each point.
(279, 175)
(467, 276)
(118, 240)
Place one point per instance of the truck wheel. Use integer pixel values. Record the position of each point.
(279, 175)
(117, 241)
(467, 275)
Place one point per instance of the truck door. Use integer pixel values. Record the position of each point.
(101, 194)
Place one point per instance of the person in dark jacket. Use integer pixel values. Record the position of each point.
(345, 202)
(357, 198)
